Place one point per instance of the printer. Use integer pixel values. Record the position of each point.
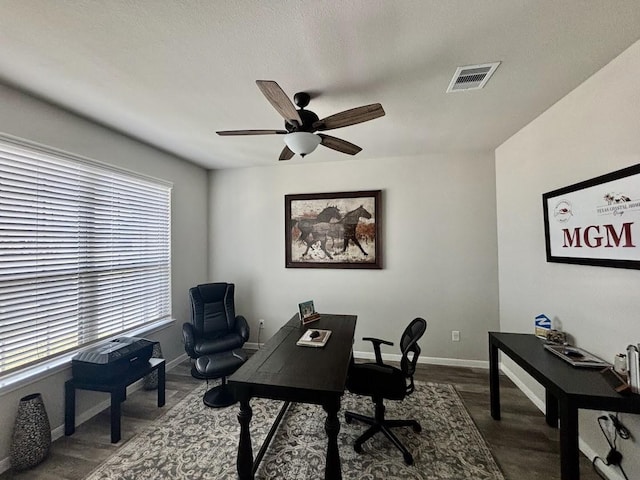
(113, 359)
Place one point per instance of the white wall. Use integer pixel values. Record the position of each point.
(439, 250)
(32, 119)
(592, 131)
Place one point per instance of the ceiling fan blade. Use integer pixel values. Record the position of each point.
(279, 100)
(286, 154)
(339, 144)
(350, 117)
(252, 132)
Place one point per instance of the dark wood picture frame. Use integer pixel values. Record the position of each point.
(595, 222)
(333, 230)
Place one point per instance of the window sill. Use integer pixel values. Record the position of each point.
(38, 372)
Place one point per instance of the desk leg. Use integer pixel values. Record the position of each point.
(245, 454)
(161, 384)
(69, 408)
(332, 427)
(551, 409)
(494, 381)
(569, 452)
(117, 397)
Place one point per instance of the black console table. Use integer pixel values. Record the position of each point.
(567, 389)
(118, 390)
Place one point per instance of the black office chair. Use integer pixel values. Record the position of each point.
(214, 338)
(380, 381)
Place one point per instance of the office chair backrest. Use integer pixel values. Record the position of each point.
(212, 308)
(410, 348)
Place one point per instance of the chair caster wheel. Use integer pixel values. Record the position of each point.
(408, 459)
(357, 447)
(417, 428)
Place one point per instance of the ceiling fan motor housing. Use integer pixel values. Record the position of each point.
(308, 119)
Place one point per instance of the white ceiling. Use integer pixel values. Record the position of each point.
(171, 73)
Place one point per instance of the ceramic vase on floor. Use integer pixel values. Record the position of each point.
(31, 438)
(151, 381)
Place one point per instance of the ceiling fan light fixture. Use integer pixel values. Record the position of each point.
(302, 143)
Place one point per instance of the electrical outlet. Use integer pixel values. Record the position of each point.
(261, 322)
(455, 335)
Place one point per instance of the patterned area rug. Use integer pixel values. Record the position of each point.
(193, 442)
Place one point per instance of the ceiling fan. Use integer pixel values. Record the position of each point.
(300, 124)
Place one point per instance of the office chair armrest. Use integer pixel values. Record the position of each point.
(189, 339)
(242, 327)
(376, 347)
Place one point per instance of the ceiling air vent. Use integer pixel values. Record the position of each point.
(471, 77)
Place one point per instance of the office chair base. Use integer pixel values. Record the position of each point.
(219, 397)
(384, 426)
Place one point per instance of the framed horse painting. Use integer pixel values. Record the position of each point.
(333, 230)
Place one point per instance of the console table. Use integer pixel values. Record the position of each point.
(567, 389)
(118, 390)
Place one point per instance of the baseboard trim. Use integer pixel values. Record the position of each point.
(451, 362)
(538, 402)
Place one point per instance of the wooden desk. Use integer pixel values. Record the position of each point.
(118, 390)
(281, 370)
(567, 389)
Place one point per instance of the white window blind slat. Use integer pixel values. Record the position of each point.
(85, 252)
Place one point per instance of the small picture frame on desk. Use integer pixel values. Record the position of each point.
(307, 312)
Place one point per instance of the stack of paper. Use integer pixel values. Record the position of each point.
(314, 338)
(633, 365)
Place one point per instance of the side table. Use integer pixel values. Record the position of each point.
(118, 390)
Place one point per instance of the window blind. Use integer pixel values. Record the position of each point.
(85, 252)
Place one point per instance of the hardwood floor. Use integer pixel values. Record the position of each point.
(523, 445)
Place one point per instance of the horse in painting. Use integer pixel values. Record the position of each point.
(350, 222)
(314, 230)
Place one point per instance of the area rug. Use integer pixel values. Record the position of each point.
(193, 442)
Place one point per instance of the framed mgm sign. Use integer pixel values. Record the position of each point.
(595, 222)
(333, 230)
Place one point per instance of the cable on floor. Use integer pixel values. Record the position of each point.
(614, 457)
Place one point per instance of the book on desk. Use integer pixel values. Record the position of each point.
(314, 338)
